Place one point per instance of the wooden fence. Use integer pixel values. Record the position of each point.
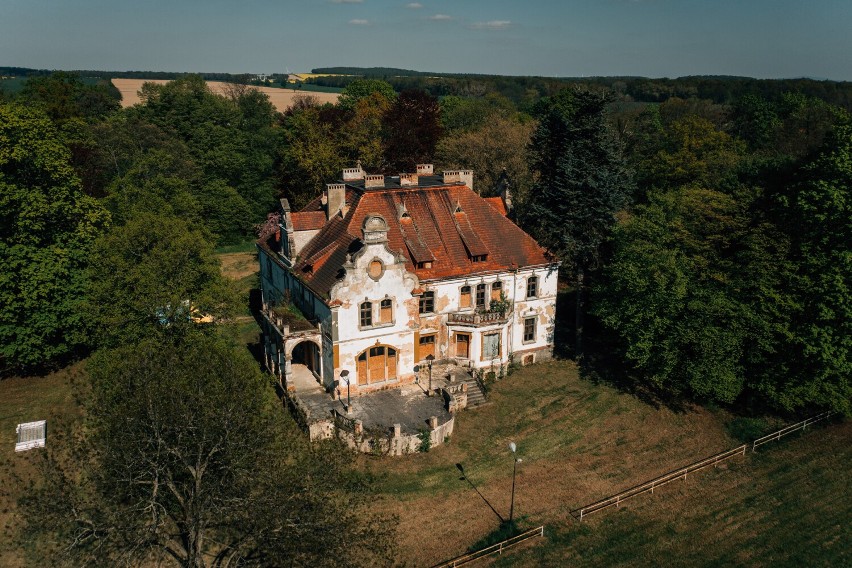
(789, 430)
(681, 473)
(649, 486)
(493, 549)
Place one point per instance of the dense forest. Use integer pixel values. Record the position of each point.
(707, 239)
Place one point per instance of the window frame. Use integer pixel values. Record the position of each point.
(532, 287)
(427, 299)
(469, 295)
(534, 322)
(481, 287)
(382, 302)
(365, 310)
(499, 355)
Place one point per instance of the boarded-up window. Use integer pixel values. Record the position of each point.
(386, 311)
(529, 330)
(463, 345)
(366, 314)
(362, 368)
(427, 346)
(376, 269)
(490, 346)
(464, 299)
(480, 296)
(496, 290)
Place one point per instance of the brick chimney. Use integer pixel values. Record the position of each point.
(408, 179)
(377, 180)
(335, 194)
(424, 169)
(464, 176)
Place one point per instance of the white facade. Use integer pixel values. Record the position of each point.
(380, 321)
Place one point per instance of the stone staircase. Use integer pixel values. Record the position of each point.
(455, 374)
(475, 396)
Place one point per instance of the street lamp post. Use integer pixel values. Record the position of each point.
(429, 359)
(515, 461)
(344, 375)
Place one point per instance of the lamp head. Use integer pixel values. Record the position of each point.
(513, 447)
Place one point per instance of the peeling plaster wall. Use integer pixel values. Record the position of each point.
(357, 286)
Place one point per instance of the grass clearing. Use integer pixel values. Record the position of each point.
(786, 505)
(27, 399)
(581, 442)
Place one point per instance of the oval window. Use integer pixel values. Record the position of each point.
(375, 269)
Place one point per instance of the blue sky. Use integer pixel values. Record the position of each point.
(655, 38)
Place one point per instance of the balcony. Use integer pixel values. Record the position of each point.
(477, 318)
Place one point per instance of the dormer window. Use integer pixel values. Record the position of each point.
(479, 258)
(424, 265)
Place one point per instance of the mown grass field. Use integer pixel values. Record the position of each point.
(580, 442)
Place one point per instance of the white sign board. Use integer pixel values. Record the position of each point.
(31, 435)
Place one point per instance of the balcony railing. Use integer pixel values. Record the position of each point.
(478, 318)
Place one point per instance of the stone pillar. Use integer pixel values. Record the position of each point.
(397, 430)
(433, 422)
(288, 374)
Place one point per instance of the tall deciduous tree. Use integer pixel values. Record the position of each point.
(695, 292)
(154, 276)
(497, 146)
(816, 213)
(47, 227)
(582, 181)
(187, 460)
(412, 128)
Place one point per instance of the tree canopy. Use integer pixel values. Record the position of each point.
(47, 227)
(188, 460)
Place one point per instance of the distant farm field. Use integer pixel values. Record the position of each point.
(282, 99)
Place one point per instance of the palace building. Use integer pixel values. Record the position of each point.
(381, 274)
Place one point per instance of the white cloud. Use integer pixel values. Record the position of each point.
(414, 5)
(359, 22)
(491, 25)
(440, 17)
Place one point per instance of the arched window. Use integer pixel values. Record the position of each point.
(532, 287)
(377, 364)
(366, 314)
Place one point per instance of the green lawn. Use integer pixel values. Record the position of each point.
(28, 399)
(787, 505)
(580, 442)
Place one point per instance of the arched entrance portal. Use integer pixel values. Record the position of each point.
(377, 364)
(307, 353)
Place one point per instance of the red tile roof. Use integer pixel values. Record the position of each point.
(447, 224)
(497, 203)
(308, 220)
